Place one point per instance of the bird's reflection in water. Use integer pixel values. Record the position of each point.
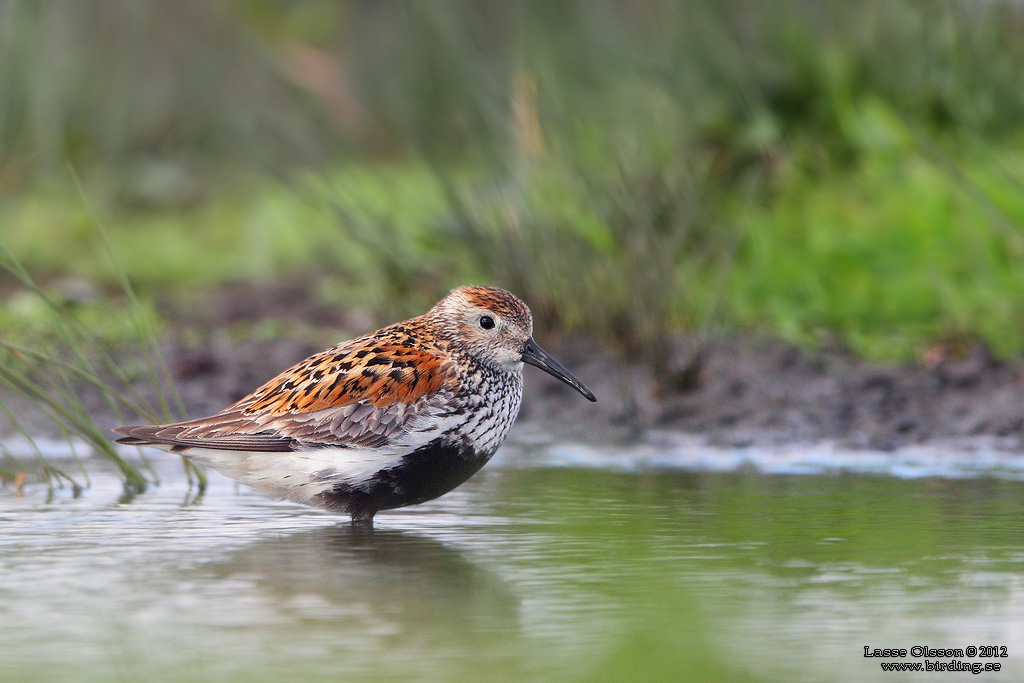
(394, 580)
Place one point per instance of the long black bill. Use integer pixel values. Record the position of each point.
(534, 355)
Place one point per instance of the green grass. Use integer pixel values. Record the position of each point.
(896, 253)
(53, 366)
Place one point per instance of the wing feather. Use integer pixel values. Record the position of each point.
(176, 437)
(360, 394)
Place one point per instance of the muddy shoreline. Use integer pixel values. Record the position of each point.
(734, 391)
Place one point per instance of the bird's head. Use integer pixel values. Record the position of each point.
(495, 328)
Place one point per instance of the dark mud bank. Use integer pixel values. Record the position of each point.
(746, 391)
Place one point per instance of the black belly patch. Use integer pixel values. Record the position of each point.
(426, 473)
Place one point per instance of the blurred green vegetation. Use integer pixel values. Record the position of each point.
(829, 172)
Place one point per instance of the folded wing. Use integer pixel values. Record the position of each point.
(361, 394)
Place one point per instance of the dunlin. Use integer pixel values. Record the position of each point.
(395, 418)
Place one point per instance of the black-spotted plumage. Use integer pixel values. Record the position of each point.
(393, 418)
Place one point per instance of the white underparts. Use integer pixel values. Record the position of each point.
(299, 475)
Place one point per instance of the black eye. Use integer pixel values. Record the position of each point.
(487, 322)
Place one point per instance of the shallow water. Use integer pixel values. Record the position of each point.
(538, 568)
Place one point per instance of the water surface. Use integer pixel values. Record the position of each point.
(530, 572)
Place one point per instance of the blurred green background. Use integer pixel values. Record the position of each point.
(841, 173)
